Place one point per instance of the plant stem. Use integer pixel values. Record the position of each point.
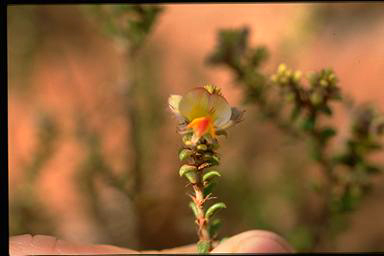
(200, 197)
(322, 221)
(201, 221)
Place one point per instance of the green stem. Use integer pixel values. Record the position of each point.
(201, 221)
(322, 222)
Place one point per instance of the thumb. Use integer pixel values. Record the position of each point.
(254, 241)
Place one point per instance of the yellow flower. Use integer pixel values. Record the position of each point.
(204, 111)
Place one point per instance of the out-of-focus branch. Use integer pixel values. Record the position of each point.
(297, 110)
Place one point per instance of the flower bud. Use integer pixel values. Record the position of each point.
(281, 69)
(324, 83)
(316, 98)
(187, 139)
(202, 147)
(331, 77)
(297, 76)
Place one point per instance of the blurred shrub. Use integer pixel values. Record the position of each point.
(298, 110)
(26, 207)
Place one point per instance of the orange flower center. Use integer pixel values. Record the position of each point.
(202, 126)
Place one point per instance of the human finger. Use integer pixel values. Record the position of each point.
(43, 245)
(254, 241)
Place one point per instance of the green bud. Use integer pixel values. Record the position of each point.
(187, 168)
(187, 140)
(323, 83)
(331, 77)
(185, 154)
(186, 137)
(281, 69)
(214, 209)
(202, 147)
(210, 175)
(316, 98)
(297, 76)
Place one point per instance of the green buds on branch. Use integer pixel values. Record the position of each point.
(283, 92)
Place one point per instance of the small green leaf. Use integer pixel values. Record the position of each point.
(203, 246)
(213, 227)
(187, 168)
(194, 208)
(309, 123)
(372, 169)
(210, 175)
(185, 154)
(215, 160)
(328, 132)
(208, 188)
(214, 209)
(208, 156)
(192, 177)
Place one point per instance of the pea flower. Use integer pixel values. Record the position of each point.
(204, 112)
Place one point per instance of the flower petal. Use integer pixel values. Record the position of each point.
(195, 104)
(173, 102)
(220, 109)
(236, 117)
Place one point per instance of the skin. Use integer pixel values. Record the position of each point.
(254, 241)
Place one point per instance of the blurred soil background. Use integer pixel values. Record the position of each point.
(67, 122)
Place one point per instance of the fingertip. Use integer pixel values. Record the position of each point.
(40, 244)
(28, 244)
(17, 244)
(254, 241)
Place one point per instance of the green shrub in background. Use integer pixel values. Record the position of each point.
(299, 110)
